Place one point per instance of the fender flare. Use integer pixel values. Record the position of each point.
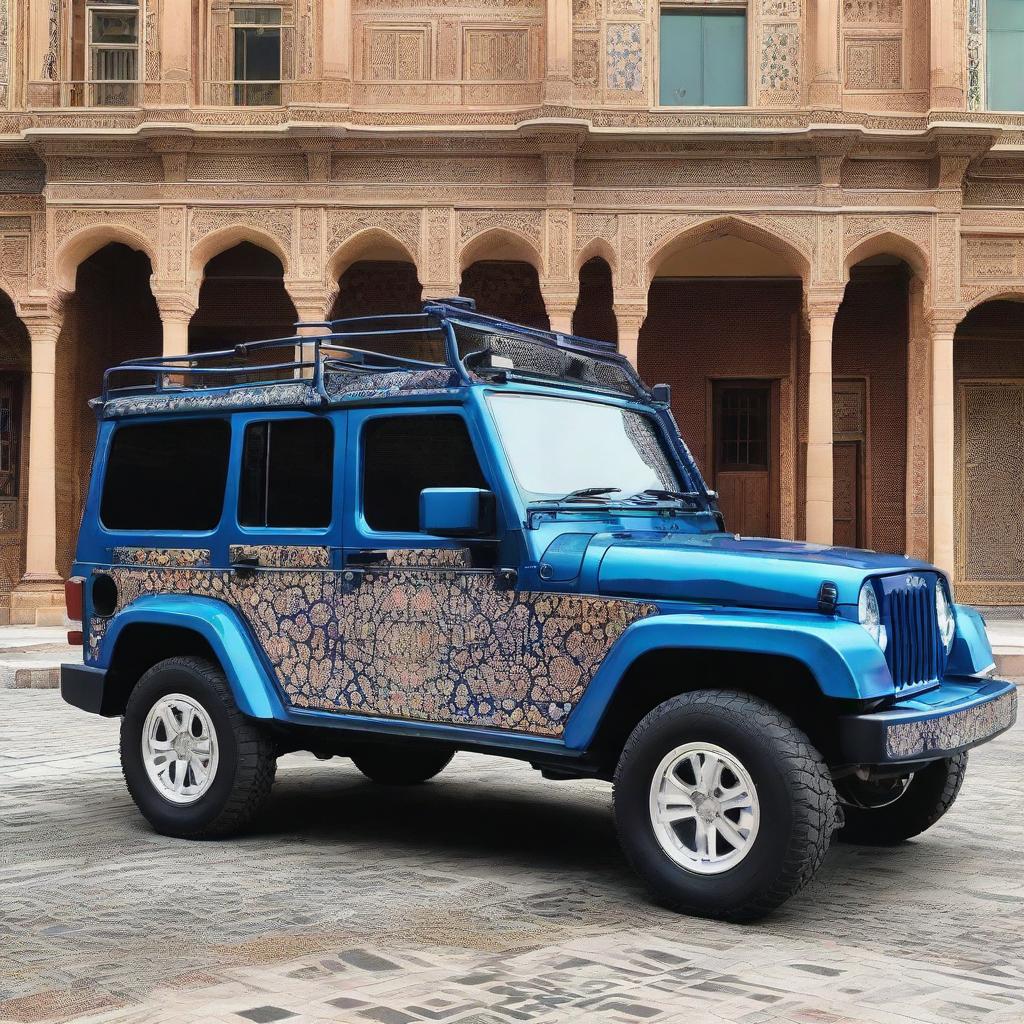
(251, 681)
(840, 655)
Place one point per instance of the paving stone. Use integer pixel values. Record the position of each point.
(487, 896)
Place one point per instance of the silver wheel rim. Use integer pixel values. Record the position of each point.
(179, 748)
(704, 808)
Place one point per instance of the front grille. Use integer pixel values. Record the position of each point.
(915, 652)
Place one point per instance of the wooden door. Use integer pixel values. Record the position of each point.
(849, 445)
(743, 440)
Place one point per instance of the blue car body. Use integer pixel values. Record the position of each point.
(666, 571)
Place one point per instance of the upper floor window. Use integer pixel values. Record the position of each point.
(1005, 54)
(112, 58)
(256, 33)
(703, 56)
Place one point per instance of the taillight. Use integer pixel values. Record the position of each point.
(74, 599)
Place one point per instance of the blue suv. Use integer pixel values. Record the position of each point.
(409, 536)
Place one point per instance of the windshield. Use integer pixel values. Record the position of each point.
(557, 446)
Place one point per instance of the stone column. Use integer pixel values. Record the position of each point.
(558, 71)
(630, 317)
(337, 50)
(825, 90)
(176, 52)
(176, 311)
(821, 314)
(947, 42)
(39, 597)
(942, 532)
(560, 302)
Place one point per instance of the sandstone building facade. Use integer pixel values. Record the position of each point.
(808, 217)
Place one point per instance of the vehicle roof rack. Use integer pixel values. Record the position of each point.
(358, 346)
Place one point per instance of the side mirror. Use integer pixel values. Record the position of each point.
(456, 511)
(662, 394)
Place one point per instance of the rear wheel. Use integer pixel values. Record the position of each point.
(887, 812)
(400, 764)
(722, 805)
(195, 766)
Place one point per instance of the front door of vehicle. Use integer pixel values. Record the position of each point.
(428, 629)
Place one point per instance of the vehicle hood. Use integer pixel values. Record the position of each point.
(728, 569)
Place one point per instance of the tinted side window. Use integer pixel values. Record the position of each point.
(404, 454)
(287, 469)
(166, 476)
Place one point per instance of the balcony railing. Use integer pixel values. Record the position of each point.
(446, 93)
(97, 93)
(236, 93)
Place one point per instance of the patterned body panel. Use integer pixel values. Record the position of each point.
(162, 557)
(433, 642)
(284, 556)
(950, 732)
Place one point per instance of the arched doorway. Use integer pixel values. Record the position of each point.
(15, 349)
(372, 287)
(870, 340)
(509, 289)
(595, 312)
(110, 317)
(724, 329)
(243, 298)
(988, 371)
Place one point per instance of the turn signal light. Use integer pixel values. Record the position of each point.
(74, 599)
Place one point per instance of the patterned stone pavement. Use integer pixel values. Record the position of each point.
(488, 896)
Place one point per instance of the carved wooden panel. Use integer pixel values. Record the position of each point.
(989, 498)
(397, 53)
(496, 54)
(874, 62)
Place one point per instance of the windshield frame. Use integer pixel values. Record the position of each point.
(661, 422)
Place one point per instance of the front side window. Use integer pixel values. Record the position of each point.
(166, 476)
(556, 446)
(402, 455)
(1004, 21)
(113, 54)
(257, 56)
(287, 473)
(702, 57)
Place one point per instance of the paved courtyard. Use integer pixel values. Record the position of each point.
(486, 896)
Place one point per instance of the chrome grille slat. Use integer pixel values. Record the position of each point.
(915, 652)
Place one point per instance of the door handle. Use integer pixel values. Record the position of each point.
(245, 565)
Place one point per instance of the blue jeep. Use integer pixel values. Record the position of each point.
(408, 536)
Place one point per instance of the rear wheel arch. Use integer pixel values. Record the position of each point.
(658, 675)
(141, 645)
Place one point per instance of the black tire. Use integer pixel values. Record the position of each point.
(247, 758)
(395, 764)
(797, 804)
(931, 793)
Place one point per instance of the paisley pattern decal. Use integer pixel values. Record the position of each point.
(339, 387)
(177, 557)
(948, 732)
(411, 643)
(284, 556)
(439, 558)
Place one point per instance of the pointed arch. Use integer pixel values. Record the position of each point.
(597, 247)
(222, 239)
(888, 243)
(76, 249)
(1000, 293)
(368, 244)
(500, 243)
(720, 227)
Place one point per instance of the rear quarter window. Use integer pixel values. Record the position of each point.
(166, 476)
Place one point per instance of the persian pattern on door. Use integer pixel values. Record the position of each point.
(990, 492)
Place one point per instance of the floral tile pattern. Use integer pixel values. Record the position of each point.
(625, 58)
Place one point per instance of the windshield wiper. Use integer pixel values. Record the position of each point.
(588, 494)
(655, 492)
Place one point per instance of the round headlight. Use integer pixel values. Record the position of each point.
(869, 615)
(945, 617)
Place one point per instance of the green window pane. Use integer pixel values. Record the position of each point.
(1004, 61)
(1005, 14)
(703, 58)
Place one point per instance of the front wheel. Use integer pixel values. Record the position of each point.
(195, 766)
(888, 812)
(722, 805)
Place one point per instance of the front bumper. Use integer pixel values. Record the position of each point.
(959, 714)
